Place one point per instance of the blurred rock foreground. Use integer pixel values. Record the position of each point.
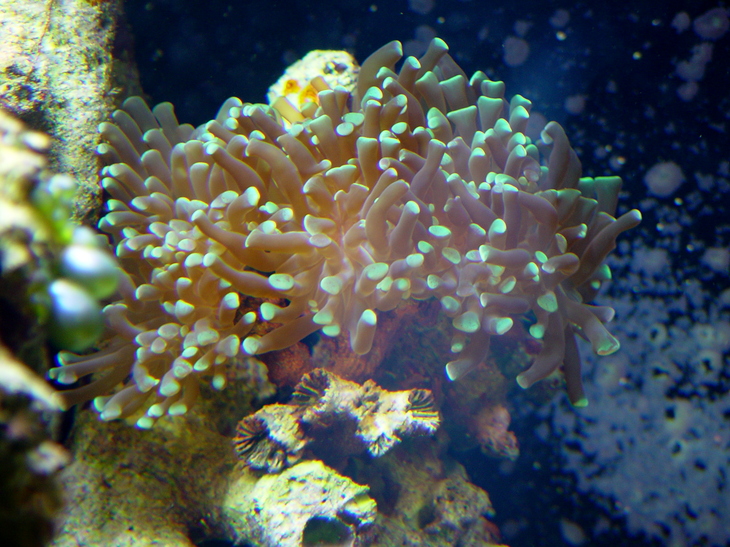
(59, 74)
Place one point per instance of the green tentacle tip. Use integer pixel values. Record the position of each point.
(608, 346)
(522, 381)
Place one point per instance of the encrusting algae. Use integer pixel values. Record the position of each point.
(269, 223)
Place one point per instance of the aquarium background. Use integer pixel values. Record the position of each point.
(641, 94)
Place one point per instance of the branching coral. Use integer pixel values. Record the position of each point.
(419, 183)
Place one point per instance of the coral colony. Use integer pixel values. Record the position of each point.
(417, 184)
(324, 405)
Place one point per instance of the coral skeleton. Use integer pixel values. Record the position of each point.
(419, 183)
(326, 407)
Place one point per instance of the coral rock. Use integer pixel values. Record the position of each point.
(292, 508)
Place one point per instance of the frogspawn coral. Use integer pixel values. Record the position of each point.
(417, 184)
